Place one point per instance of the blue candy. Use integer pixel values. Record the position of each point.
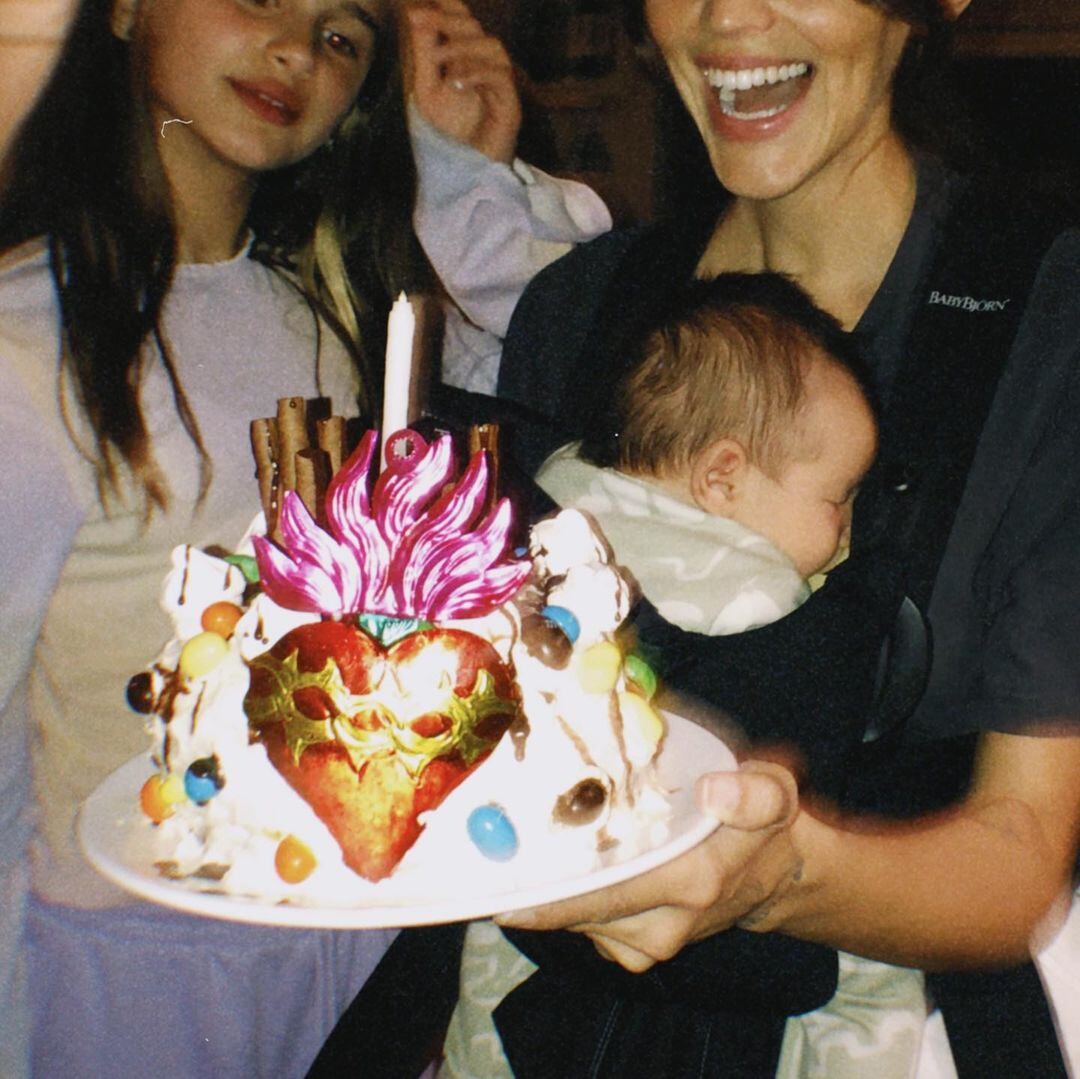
(202, 781)
(565, 620)
(492, 833)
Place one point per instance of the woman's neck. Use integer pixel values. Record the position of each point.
(835, 235)
(210, 198)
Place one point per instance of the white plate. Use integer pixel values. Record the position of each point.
(117, 839)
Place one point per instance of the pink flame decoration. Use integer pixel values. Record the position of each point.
(408, 549)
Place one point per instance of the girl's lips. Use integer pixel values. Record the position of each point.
(270, 101)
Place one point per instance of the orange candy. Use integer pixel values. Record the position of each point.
(159, 796)
(221, 618)
(294, 860)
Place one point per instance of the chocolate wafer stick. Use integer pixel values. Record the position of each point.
(292, 436)
(330, 435)
(485, 436)
(313, 473)
(264, 448)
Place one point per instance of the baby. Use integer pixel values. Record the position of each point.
(740, 437)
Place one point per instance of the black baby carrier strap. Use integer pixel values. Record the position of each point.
(968, 316)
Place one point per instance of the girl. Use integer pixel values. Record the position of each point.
(208, 211)
(139, 332)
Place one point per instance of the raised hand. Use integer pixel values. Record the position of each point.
(460, 77)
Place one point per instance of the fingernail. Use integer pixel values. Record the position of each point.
(718, 793)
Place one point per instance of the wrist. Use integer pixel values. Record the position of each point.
(794, 905)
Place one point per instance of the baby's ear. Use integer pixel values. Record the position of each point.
(717, 476)
(123, 18)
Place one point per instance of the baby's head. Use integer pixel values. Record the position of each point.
(743, 401)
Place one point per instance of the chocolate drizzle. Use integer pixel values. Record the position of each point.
(577, 740)
(616, 720)
(519, 735)
(181, 599)
(198, 706)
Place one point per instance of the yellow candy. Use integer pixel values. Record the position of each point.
(294, 860)
(202, 654)
(640, 718)
(160, 795)
(598, 667)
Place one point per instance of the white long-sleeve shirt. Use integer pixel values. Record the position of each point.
(488, 230)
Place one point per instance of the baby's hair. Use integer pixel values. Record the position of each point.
(725, 358)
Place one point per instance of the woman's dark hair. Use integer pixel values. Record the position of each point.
(87, 176)
(922, 97)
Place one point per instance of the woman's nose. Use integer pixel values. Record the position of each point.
(738, 16)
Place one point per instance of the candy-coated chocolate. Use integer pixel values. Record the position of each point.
(598, 667)
(581, 804)
(545, 641)
(160, 795)
(492, 833)
(140, 693)
(221, 617)
(294, 860)
(638, 713)
(641, 674)
(202, 654)
(565, 619)
(202, 780)
(246, 565)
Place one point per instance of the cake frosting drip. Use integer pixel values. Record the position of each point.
(498, 708)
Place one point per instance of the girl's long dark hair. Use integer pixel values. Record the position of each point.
(87, 176)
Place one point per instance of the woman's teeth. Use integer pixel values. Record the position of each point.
(729, 84)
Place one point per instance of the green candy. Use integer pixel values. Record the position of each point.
(641, 674)
(246, 565)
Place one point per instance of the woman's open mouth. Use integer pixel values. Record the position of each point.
(758, 93)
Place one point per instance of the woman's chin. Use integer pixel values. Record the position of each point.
(756, 177)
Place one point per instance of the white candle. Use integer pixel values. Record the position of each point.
(399, 356)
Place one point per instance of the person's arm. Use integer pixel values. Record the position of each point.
(487, 221)
(969, 887)
(31, 35)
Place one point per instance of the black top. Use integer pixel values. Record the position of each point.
(1005, 606)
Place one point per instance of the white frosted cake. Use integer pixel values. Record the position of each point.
(395, 685)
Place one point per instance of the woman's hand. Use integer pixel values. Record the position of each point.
(461, 78)
(731, 878)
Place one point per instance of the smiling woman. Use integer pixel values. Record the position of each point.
(811, 903)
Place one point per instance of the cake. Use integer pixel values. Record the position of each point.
(393, 685)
